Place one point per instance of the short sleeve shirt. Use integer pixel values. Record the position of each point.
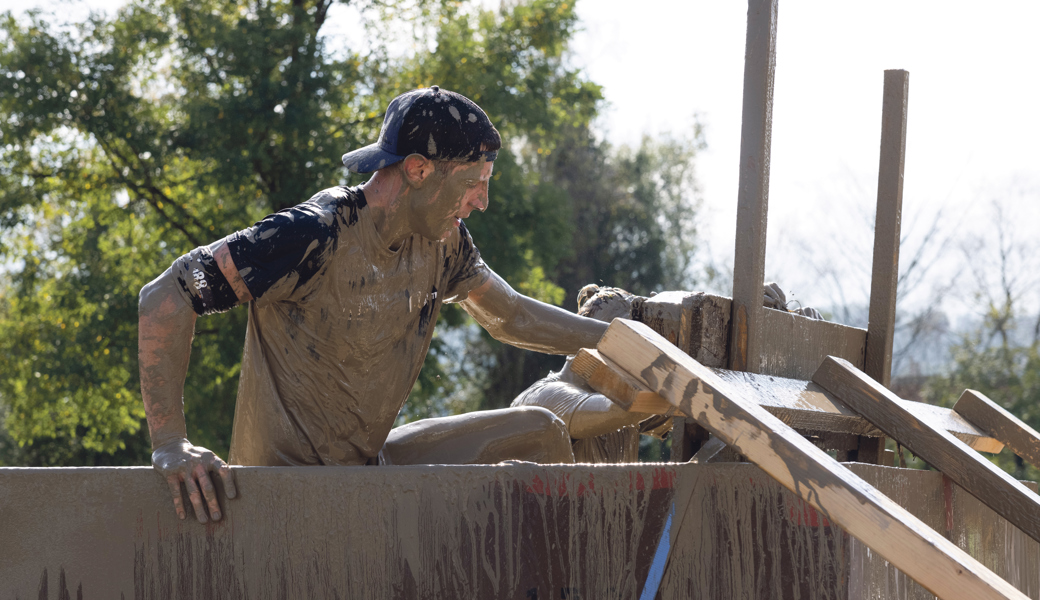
(338, 328)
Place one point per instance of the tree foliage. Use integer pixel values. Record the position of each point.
(1000, 355)
(127, 141)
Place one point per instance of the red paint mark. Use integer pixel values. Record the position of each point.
(948, 501)
(804, 514)
(660, 478)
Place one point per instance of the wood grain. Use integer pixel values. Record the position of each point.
(885, 271)
(792, 345)
(991, 418)
(977, 475)
(802, 405)
(844, 498)
(606, 378)
(756, 133)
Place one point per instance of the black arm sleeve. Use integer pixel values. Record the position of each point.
(201, 283)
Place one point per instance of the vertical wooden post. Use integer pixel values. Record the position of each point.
(749, 262)
(885, 272)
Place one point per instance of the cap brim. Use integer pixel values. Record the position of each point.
(368, 159)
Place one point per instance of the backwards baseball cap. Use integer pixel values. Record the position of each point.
(435, 123)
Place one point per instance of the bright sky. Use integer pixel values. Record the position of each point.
(973, 120)
(972, 129)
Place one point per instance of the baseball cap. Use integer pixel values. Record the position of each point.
(438, 124)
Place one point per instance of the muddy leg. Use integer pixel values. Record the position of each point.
(485, 437)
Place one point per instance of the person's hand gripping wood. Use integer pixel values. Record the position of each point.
(165, 329)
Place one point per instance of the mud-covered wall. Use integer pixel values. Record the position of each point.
(475, 532)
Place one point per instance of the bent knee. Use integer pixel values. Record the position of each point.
(551, 441)
(536, 418)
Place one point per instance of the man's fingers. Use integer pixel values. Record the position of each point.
(175, 490)
(209, 492)
(196, 498)
(228, 476)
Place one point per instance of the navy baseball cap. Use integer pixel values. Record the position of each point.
(434, 123)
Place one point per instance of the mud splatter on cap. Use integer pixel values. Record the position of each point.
(436, 123)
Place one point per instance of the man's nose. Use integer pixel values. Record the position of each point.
(481, 201)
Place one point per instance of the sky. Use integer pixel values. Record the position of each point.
(972, 125)
(972, 132)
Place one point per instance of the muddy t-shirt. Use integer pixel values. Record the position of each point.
(338, 327)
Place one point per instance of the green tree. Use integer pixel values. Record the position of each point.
(1000, 356)
(128, 141)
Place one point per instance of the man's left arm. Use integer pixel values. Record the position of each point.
(515, 319)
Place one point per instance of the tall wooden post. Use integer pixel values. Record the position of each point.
(749, 261)
(885, 272)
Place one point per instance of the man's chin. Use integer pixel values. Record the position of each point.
(444, 235)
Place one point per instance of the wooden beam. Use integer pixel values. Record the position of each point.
(803, 405)
(885, 272)
(793, 346)
(709, 451)
(843, 497)
(603, 376)
(991, 418)
(749, 261)
(977, 475)
(687, 439)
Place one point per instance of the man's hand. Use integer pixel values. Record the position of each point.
(773, 297)
(179, 461)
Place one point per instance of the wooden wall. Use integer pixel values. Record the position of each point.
(521, 531)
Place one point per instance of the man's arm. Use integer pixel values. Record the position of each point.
(524, 322)
(165, 330)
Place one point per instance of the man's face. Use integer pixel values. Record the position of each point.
(454, 196)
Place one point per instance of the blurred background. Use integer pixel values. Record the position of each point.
(131, 132)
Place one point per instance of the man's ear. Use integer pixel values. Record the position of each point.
(416, 168)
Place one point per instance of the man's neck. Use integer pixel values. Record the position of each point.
(386, 195)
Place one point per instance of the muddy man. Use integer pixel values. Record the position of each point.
(343, 292)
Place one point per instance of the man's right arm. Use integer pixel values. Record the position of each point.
(165, 330)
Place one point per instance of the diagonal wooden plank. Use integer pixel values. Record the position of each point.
(990, 417)
(977, 475)
(802, 405)
(845, 499)
(624, 390)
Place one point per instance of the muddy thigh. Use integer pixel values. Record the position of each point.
(484, 437)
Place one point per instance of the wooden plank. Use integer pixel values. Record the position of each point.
(749, 260)
(955, 424)
(991, 418)
(843, 497)
(802, 405)
(885, 272)
(793, 346)
(977, 475)
(709, 452)
(604, 377)
(870, 450)
(687, 439)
